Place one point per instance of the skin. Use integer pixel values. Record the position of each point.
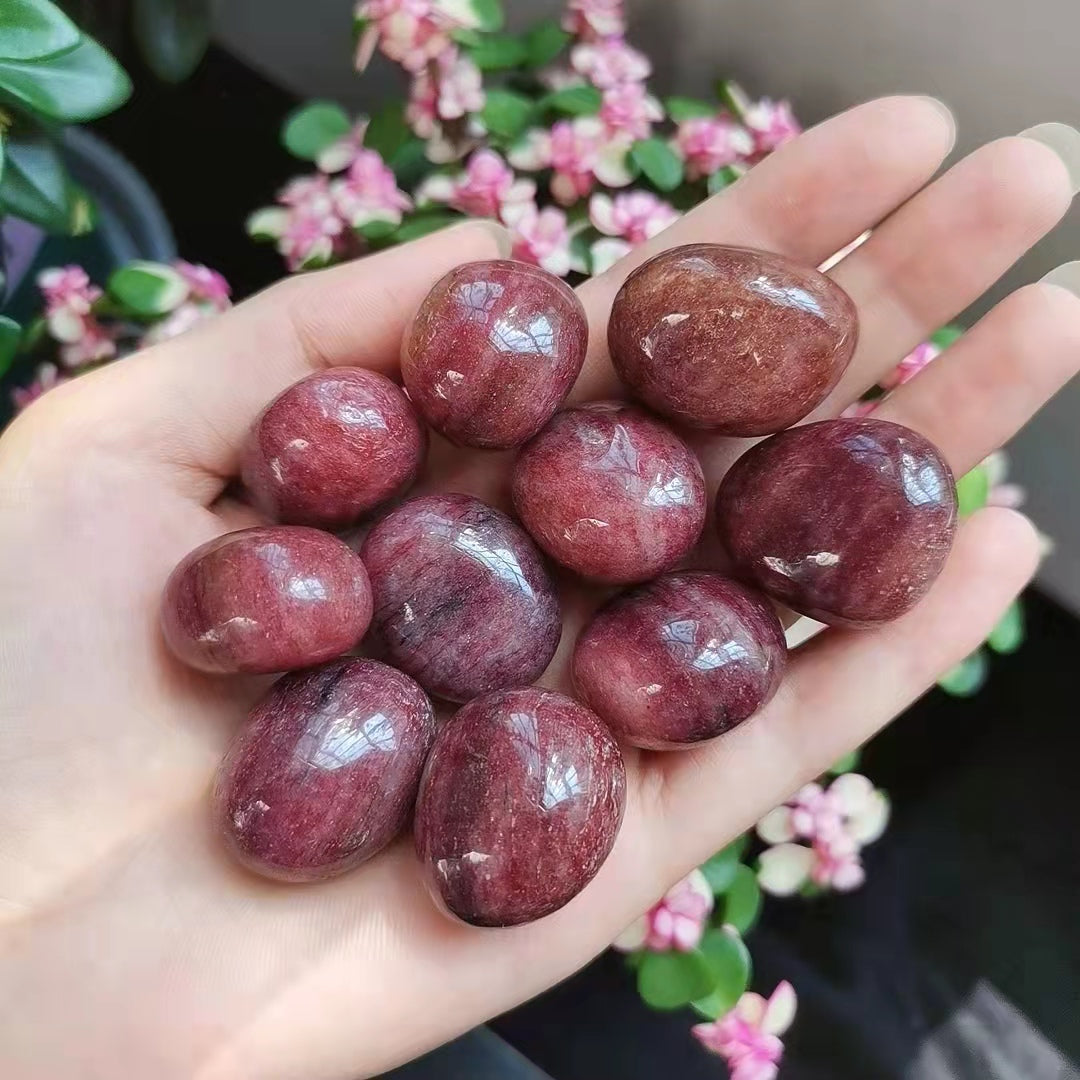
(108, 747)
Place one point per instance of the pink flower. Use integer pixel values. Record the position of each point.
(341, 153)
(911, 365)
(307, 226)
(772, 123)
(46, 377)
(486, 186)
(178, 321)
(677, 921)
(441, 100)
(609, 63)
(635, 216)
(708, 143)
(204, 284)
(838, 822)
(594, 19)
(606, 252)
(541, 237)
(630, 110)
(409, 32)
(369, 192)
(69, 299)
(748, 1037)
(421, 112)
(580, 151)
(461, 86)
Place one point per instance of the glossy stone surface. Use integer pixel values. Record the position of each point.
(681, 659)
(463, 602)
(493, 351)
(610, 492)
(744, 342)
(266, 599)
(325, 772)
(332, 447)
(520, 804)
(848, 521)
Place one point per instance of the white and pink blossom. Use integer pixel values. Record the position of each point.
(629, 109)
(610, 62)
(204, 284)
(677, 921)
(911, 365)
(485, 188)
(541, 237)
(593, 20)
(748, 1037)
(341, 153)
(635, 216)
(771, 123)
(369, 192)
(69, 317)
(580, 152)
(709, 143)
(46, 377)
(307, 226)
(410, 32)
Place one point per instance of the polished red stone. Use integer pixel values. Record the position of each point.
(463, 602)
(493, 351)
(744, 342)
(681, 659)
(266, 599)
(848, 521)
(610, 492)
(520, 804)
(332, 447)
(325, 772)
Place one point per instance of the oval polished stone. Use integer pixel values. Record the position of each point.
(520, 804)
(493, 352)
(847, 521)
(332, 447)
(681, 659)
(463, 602)
(325, 772)
(266, 599)
(740, 341)
(610, 492)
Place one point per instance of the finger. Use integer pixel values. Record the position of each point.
(807, 200)
(840, 689)
(188, 402)
(973, 398)
(943, 249)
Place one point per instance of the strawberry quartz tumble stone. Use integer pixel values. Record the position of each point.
(463, 602)
(847, 521)
(493, 352)
(520, 804)
(325, 772)
(681, 659)
(266, 599)
(739, 341)
(610, 492)
(332, 447)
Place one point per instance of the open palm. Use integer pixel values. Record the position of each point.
(132, 946)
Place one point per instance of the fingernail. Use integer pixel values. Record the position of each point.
(1065, 142)
(946, 114)
(1066, 276)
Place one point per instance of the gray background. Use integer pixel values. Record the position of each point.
(1000, 66)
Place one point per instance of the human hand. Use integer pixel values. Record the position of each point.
(132, 946)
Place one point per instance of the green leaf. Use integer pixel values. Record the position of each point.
(721, 179)
(742, 901)
(312, 127)
(720, 870)
(544, 42)
(972, 490)
(946, 336)
(33, 28)
(410, 163)
(377, 233)
(147, 289)
(573, 100)
(581, 244)
(10, 336)
(668, 980)
(422, 224)
(387, 131)
(729, 961)
(172, 35)
(1008, 635)
(80, 84)
(506, 113)
(658, 163)
(732, 97)
(967, 678)
(489, 14)
(685, 108)
(848, 763)
(35, 185)
(494, 52)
